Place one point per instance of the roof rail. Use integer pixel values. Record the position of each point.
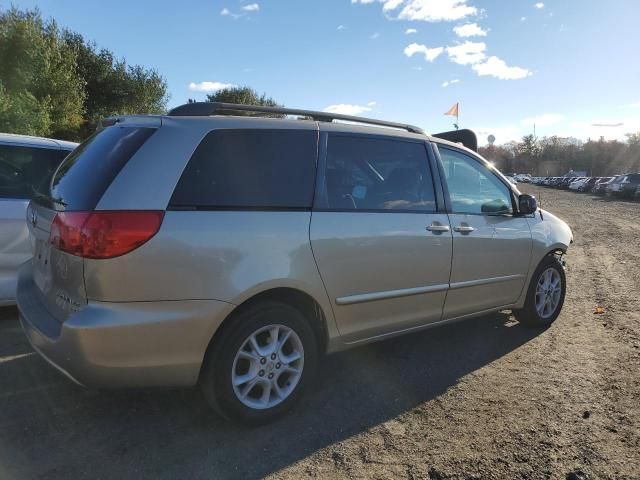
(204, 109)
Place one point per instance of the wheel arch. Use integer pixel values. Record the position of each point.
(296, 298)
(556, 250)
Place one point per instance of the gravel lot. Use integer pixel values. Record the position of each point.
(480, 399)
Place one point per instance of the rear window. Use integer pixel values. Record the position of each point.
(250, 169)
(26, 171)
(84, 175)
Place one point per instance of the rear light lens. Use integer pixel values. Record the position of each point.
(103, 234)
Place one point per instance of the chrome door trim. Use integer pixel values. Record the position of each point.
(404, 292)
(485, 281)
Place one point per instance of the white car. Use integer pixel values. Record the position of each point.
(26, 165)
(576, 184)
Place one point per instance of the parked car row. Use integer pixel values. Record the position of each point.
(626, 185)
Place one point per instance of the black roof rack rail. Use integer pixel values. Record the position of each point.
(465, 137)
(203, 109)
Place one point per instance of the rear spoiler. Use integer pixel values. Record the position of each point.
(151, 121)
(465, 137)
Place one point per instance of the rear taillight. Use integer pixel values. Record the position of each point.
(103, 234)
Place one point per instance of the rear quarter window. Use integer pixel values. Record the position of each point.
(250, 169)
(84, 176)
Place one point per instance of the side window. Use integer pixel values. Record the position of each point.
(472, 187)
(366, 173)
(248, 169)
(26, 171)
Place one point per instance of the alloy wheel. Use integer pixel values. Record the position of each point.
(267, 367)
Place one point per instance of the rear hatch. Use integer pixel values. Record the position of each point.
(56, 218)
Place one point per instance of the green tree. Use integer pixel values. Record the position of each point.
(38, 77)
(55, 83)
(246, 96)
(112, 87)
(633, 139)
(21, 112)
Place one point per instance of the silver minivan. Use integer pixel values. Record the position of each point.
(233, 251)
(26, 165)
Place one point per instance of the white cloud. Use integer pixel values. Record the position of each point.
(409, 31)
(374, 36)
(467, 53)
(225, 12)
(209, 86)
(450, 82)
(348, 109)
(252, 7)
(371, 104)
(522, 19)
(430, 54)
(470, 30)
(609, 128)
(390, 4)
(496, 67)
(544, 120)
(539, 5)
(341, 27)
(633, 105)
(425, 10)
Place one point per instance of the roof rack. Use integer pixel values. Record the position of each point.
(204, 109)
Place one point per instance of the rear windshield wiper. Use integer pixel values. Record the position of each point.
(48, 199)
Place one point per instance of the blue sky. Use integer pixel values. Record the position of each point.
(571, 66)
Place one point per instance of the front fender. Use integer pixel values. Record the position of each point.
(549, 234)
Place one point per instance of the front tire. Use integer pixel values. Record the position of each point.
(545, 296)
(261, 363)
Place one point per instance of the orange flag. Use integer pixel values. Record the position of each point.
(453, 111)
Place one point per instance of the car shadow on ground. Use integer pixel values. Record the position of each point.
(51, 428)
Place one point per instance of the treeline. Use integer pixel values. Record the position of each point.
(555, 156)
(55, 83)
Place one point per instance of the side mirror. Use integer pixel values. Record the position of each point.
(527, 204)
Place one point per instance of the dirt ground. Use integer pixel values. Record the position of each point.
(481, 399)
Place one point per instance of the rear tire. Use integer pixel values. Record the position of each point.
(261, 363)
(545, 296)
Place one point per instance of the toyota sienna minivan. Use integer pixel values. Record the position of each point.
(233, 251)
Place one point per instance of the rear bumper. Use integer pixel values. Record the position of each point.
(114, 345)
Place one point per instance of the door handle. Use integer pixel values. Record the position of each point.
(464, 229)
(435, 227)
